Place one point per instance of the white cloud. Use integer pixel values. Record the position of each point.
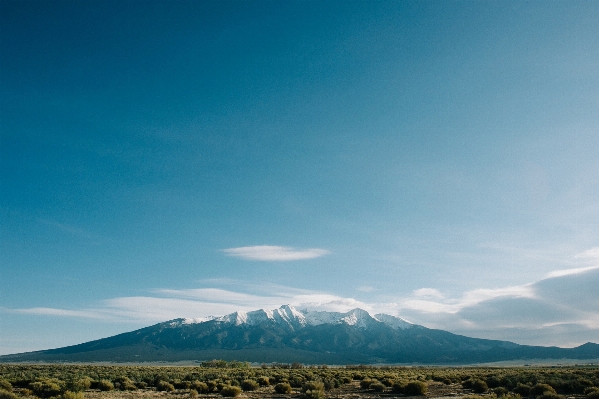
(428, 292)
(57, 312)
(592, 253)
(274, 253)
(560, 309)
(366, 288)
(567, 272)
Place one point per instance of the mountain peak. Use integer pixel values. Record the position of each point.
(289, 317)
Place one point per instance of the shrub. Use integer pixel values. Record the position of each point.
(415, 388)
(182, 384)
(193, 393)
(249, 385)
(141, 384)
(283, 388)
(479, 386)
(105, 385)
(46, 388)
(500, 391)
(593, 394)
(313, 390)
(4, 394)
(522, 389)
(399, 386)
(296, 381)
(388, 382)
(212, 386)
(72, 395)
(377, 386)
(263, 381)
(80, 385)
(199, 386)
(540, 389)
(165, 386)
(330, 384)
(230, 391)
(493, 381)
(7, 386)
(365, 383)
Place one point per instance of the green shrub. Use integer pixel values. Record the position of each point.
(199, 386)
(283, 388)
(212, 386)
(79, 385)
(479, 386)
(330, 383)
(500, 391)
(165, 386)
(415, 388)
(541, 389)
(493, 381)
(522, 389)
(377, 386)
(249, 385)
(388, 382)
(296, 381)
(365, 383)
(46, 388)
(7, 386)
(4, 394)
(141, 384)
(399, 386)
(263, 381)
(72, 395)
(105, 385)
(230, 391)
(313, 390)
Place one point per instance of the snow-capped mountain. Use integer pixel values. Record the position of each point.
(290, 335)
(289, 317)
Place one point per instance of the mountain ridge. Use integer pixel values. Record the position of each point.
(286, 334)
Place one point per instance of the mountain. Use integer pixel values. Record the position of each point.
(290, 335)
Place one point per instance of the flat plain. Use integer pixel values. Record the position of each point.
(217, 379)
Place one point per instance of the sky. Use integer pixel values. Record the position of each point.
(433, 160)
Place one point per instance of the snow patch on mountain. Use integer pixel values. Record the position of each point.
(289, 317)
(394, 322)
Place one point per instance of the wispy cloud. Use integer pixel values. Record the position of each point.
(559, 309)
(274, 253)
(592, 254)
(58, 312)
(568, 272)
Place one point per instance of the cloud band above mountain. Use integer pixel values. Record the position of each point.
(272, 253)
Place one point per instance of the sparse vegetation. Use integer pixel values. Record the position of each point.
(283, 388)
(230, 391)
(313, 390)
(75, 382)
(415, 388)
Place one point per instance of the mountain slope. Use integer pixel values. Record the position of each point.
(289, 335)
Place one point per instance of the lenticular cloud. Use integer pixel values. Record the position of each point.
(274, 253)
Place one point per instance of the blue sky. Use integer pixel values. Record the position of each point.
(432, 160)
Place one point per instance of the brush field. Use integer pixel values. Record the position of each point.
(218, 379)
